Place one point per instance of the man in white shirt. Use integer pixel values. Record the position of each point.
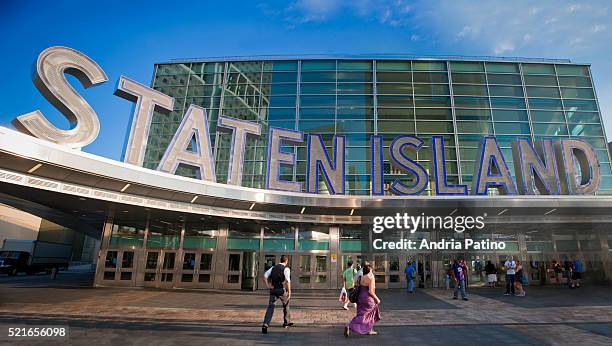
(278, 280)
(510, 266)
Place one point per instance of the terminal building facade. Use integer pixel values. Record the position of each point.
(178, 231)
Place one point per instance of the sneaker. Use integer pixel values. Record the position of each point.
(287, 325)
(345, 307)
(346, 331)
(506, 294)
(355, 305)
(455, 298)
(372, 332)
(465, 299)
(264, 329)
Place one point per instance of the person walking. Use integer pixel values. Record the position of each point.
(410, 272)
(458, 273)
(348, 282)
(278, 280)
(491, 272)
(577, 273)
(558, 270)
(518, 279)
(368, 312)
(510, 266)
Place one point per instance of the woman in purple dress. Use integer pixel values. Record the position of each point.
(367, 306)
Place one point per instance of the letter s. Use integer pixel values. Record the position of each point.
(50, 80)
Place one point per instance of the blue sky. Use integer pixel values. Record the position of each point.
(128, 37)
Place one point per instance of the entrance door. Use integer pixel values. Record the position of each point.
(396, 267)
(160, 267)
(314, 271)
(195, 270)
(424, 271)
(357, 260)
(233, 270)
(119, 267)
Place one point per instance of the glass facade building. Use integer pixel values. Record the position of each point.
(461, 100)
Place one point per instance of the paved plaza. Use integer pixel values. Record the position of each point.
(118, 316)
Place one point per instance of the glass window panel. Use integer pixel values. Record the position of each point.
(574, 93)
(357, 65)
(596, 142)
(393, 65)
(500, 67)
(282, 89)
(356, 88)
(354, 113)
(585, 130)
(572, 70)
(327, 88)
(435, 127)
(580, 105)
(281, 113)
(354, 76)
(394, 89)
(540, 80)
(582, 117)
(318, 65)
(545, 116)
(466, 66)
(432, 101)
(395, 101)
(403, 127)
(545, 104)
(283, 77)
(469, 141)
(558, 129)
(509, 79)
(317, 101)
(431, 89)
(543, 92)
(429, 65)
(538, 69)
(329, 77)
(575, 81)
(352, 126)
(469, 78)
(473, 114)
(396, 113)
(433, 114)
(355, 101)
(280, 66)
(510, 115)
(471, 102)
(474, 90)
(393, 77)
(481, 127)
(282, 101)
(512, 128)
(430, 77)
(319, 126)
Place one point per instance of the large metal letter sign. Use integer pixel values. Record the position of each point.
(239, 129)
(404, 163)
(491, 169)
(276, 157)
(317, 159)
(581, 177)
(376, 158)
(194, 124)
(146, 100)
(50, 80)
(536, 173)
(439, 167)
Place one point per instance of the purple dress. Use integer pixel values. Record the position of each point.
(367, 312)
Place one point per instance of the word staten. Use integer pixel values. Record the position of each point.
(444, 244)
(560, 166)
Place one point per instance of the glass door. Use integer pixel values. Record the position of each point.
(196, 269)
(313, 271)
(396, 271)
(233, 270)
(160, 267)
(119, 267)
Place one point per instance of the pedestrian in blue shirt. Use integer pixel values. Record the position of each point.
(410, 272)
(577, 273)
(458, 272)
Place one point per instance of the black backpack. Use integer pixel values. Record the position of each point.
(353, 295)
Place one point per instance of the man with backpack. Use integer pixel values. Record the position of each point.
(278, 280)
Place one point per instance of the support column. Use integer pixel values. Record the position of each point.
(107, 231)
(220, 257)
(334, 250)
